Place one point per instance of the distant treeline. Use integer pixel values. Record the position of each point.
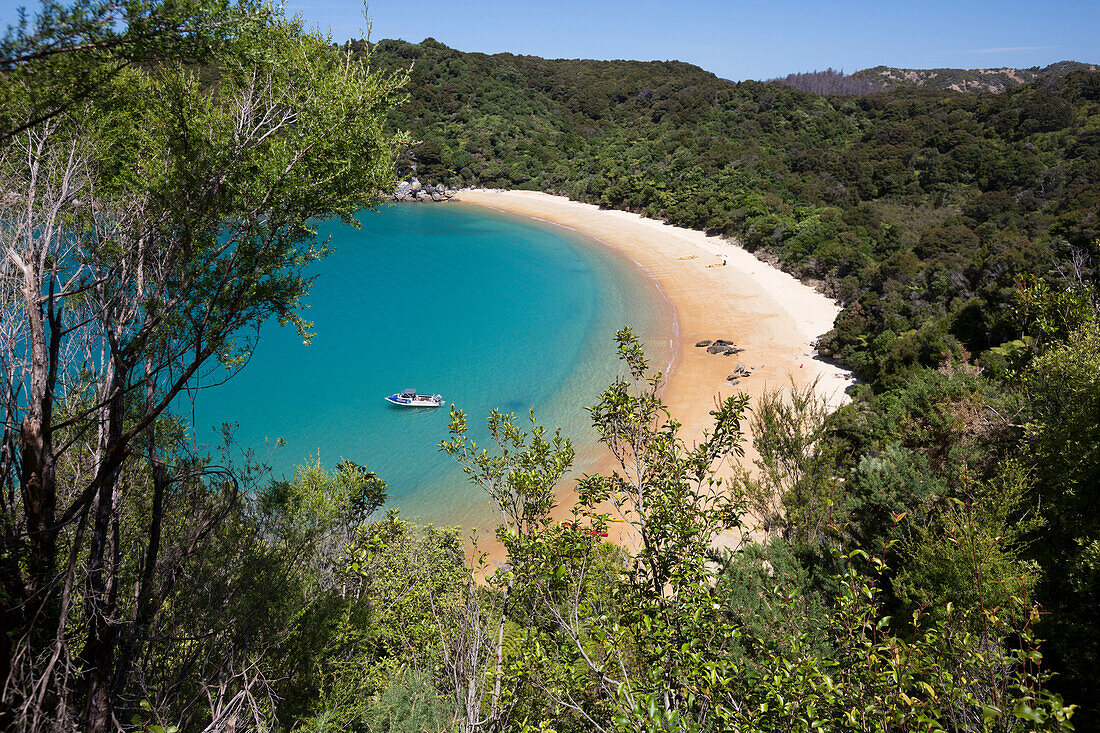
(831, 81)
(883, 78)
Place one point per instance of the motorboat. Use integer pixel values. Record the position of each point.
(409, 398)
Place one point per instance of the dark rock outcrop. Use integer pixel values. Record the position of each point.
(721, 346)
(740, 372)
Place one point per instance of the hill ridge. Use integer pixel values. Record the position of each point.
(995, 79)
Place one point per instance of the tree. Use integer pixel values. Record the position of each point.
(158, 225)
(794, 489)
(639, 651)
(520, 480)
(1062, 447)
(70, 53)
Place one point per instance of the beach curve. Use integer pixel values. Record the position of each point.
(717, 290)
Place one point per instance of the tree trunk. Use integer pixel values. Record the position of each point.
(100, 603)
(38, 479)
(31, 612)
(146, 605)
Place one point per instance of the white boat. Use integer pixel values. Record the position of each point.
(409, 398)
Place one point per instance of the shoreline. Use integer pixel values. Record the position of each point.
(773, 316)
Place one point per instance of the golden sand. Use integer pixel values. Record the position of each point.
(717, 291)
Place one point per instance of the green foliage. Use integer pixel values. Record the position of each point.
(176, 221)
(1062, 448)
(665, 489)
(1050, 315)
(885, 487)
(674, 636)
(398, 588)
(969, 553)
(520, 480)
(793, 490)
(940, 677)
(64, 55)
(409, 705)
(752, 584)
(367, 490)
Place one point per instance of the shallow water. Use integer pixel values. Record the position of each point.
(487, 309)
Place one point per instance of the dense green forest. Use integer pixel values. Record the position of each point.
(932, 557)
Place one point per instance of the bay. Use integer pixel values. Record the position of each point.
(489, 310)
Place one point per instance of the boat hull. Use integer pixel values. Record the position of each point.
(400, 401)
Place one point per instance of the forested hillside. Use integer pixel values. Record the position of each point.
(917, 209)
(958, 230)
(968, 80)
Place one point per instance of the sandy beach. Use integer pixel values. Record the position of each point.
(774, 317)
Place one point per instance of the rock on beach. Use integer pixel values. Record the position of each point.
(412, 190)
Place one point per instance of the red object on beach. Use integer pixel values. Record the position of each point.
(572, 525)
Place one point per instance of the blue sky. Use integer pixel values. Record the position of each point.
(734, 39)
(737, 39)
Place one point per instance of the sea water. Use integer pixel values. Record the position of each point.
(486, 309)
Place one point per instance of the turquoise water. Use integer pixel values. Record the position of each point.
(488, 310)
